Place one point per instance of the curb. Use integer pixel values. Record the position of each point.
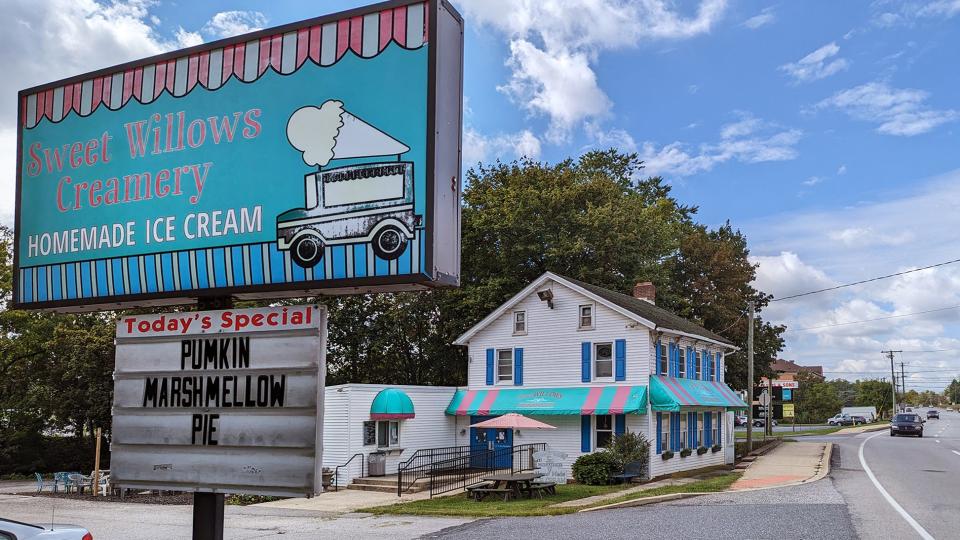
(643, 501)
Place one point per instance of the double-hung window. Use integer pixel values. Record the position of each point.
(664, 360)
(603, 430)
(603, 361)
(665, 431)
(585, 320)
(715, 425)
(698, 360)
(681, 352)
(519, 323)
(683, 431)
(700, 426)
(504, 366)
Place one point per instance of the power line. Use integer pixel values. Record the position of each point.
(861, 282)
(874, 320)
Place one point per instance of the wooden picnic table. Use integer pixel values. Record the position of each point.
(515, 484)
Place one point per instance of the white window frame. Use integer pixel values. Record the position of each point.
(497, 377)
(593, 316)
(665, 432)
(683, 431)
(390, 442)
(596, 360)
(683, 362)
(698, 364)
(516, 323)
(700, 427)
(664, 360)
(597, 430)
(714, 430)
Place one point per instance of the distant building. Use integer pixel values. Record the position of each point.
(787, 370)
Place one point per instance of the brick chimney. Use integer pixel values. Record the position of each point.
(645, 291)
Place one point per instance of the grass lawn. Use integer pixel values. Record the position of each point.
(709, 485)
(758, 433)
(460, 505)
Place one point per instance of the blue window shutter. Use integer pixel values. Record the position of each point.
(620, 359)
(659, 433)
(619, 424)
(718, 368)
(704, 365)
(585, 362)
(674, 431)
(691, 360)
(584, 433)
(518, 367)
(692, 429)
(489, 366)
(673, 360)
(656, 355)
(707, 427)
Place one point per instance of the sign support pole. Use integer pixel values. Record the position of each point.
(208, 507)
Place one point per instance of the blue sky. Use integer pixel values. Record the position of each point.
(827, 131)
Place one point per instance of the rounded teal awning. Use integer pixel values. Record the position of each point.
(391, 404)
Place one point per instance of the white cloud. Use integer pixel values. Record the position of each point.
(813, 180)
(842, 170)
(479, 148)
(814, 250)
(940, 8)
(910, 13)
(897, 111)
(555, 44)
(816, 65)
(748, 140)
(187, 39)
(765, 17)
(233, 23)
(611, 138)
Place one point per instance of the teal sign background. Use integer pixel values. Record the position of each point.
(387, 91)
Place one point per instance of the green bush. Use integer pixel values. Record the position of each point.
(595, 469)
(629, 447)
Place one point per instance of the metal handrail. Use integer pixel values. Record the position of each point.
(419, 464)
(336, 470)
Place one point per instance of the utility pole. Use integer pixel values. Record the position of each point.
(749, 376)
(893, 382)
(768, 425)
(903, 384)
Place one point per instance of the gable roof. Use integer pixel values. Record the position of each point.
(641, 311)
(662, 318)
(788, 366)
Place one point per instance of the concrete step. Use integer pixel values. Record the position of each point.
(373, 487)
(388, 480)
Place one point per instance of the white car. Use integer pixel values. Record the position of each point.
(15, 530)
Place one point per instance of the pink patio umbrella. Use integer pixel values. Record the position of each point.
(512, 421)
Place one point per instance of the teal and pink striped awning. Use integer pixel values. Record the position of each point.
(585, 400)
(672, 393)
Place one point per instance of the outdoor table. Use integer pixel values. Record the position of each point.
(516, 482)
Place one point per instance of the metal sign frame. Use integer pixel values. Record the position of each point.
(443, 158)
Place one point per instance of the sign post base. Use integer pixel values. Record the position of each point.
(208, 516)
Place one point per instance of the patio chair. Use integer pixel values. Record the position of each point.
(61, 479)
(79, 481)
(630, 471)
(39, 481)
(103, 485)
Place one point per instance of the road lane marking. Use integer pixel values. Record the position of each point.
(896, 506)
(955, 452)
(938, 441)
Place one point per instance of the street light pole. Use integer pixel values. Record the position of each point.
(750, 308)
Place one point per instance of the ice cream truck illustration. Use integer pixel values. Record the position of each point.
(362, 192)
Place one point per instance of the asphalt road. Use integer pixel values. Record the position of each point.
(811, 511)
(920, 475)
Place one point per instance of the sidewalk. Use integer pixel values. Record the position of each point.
(788, 464)
(862, 429)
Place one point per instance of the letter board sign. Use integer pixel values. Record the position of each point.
(318, 157)
(220, 401)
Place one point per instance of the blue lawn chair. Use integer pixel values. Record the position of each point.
(39, 481)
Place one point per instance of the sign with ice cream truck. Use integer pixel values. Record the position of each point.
(317, 157)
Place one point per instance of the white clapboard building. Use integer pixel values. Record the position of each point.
(587, 360)
(594, 363)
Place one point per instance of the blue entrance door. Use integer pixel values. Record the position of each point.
(490, 447)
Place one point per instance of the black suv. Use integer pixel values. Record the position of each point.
(906, 424)
(933, 414)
